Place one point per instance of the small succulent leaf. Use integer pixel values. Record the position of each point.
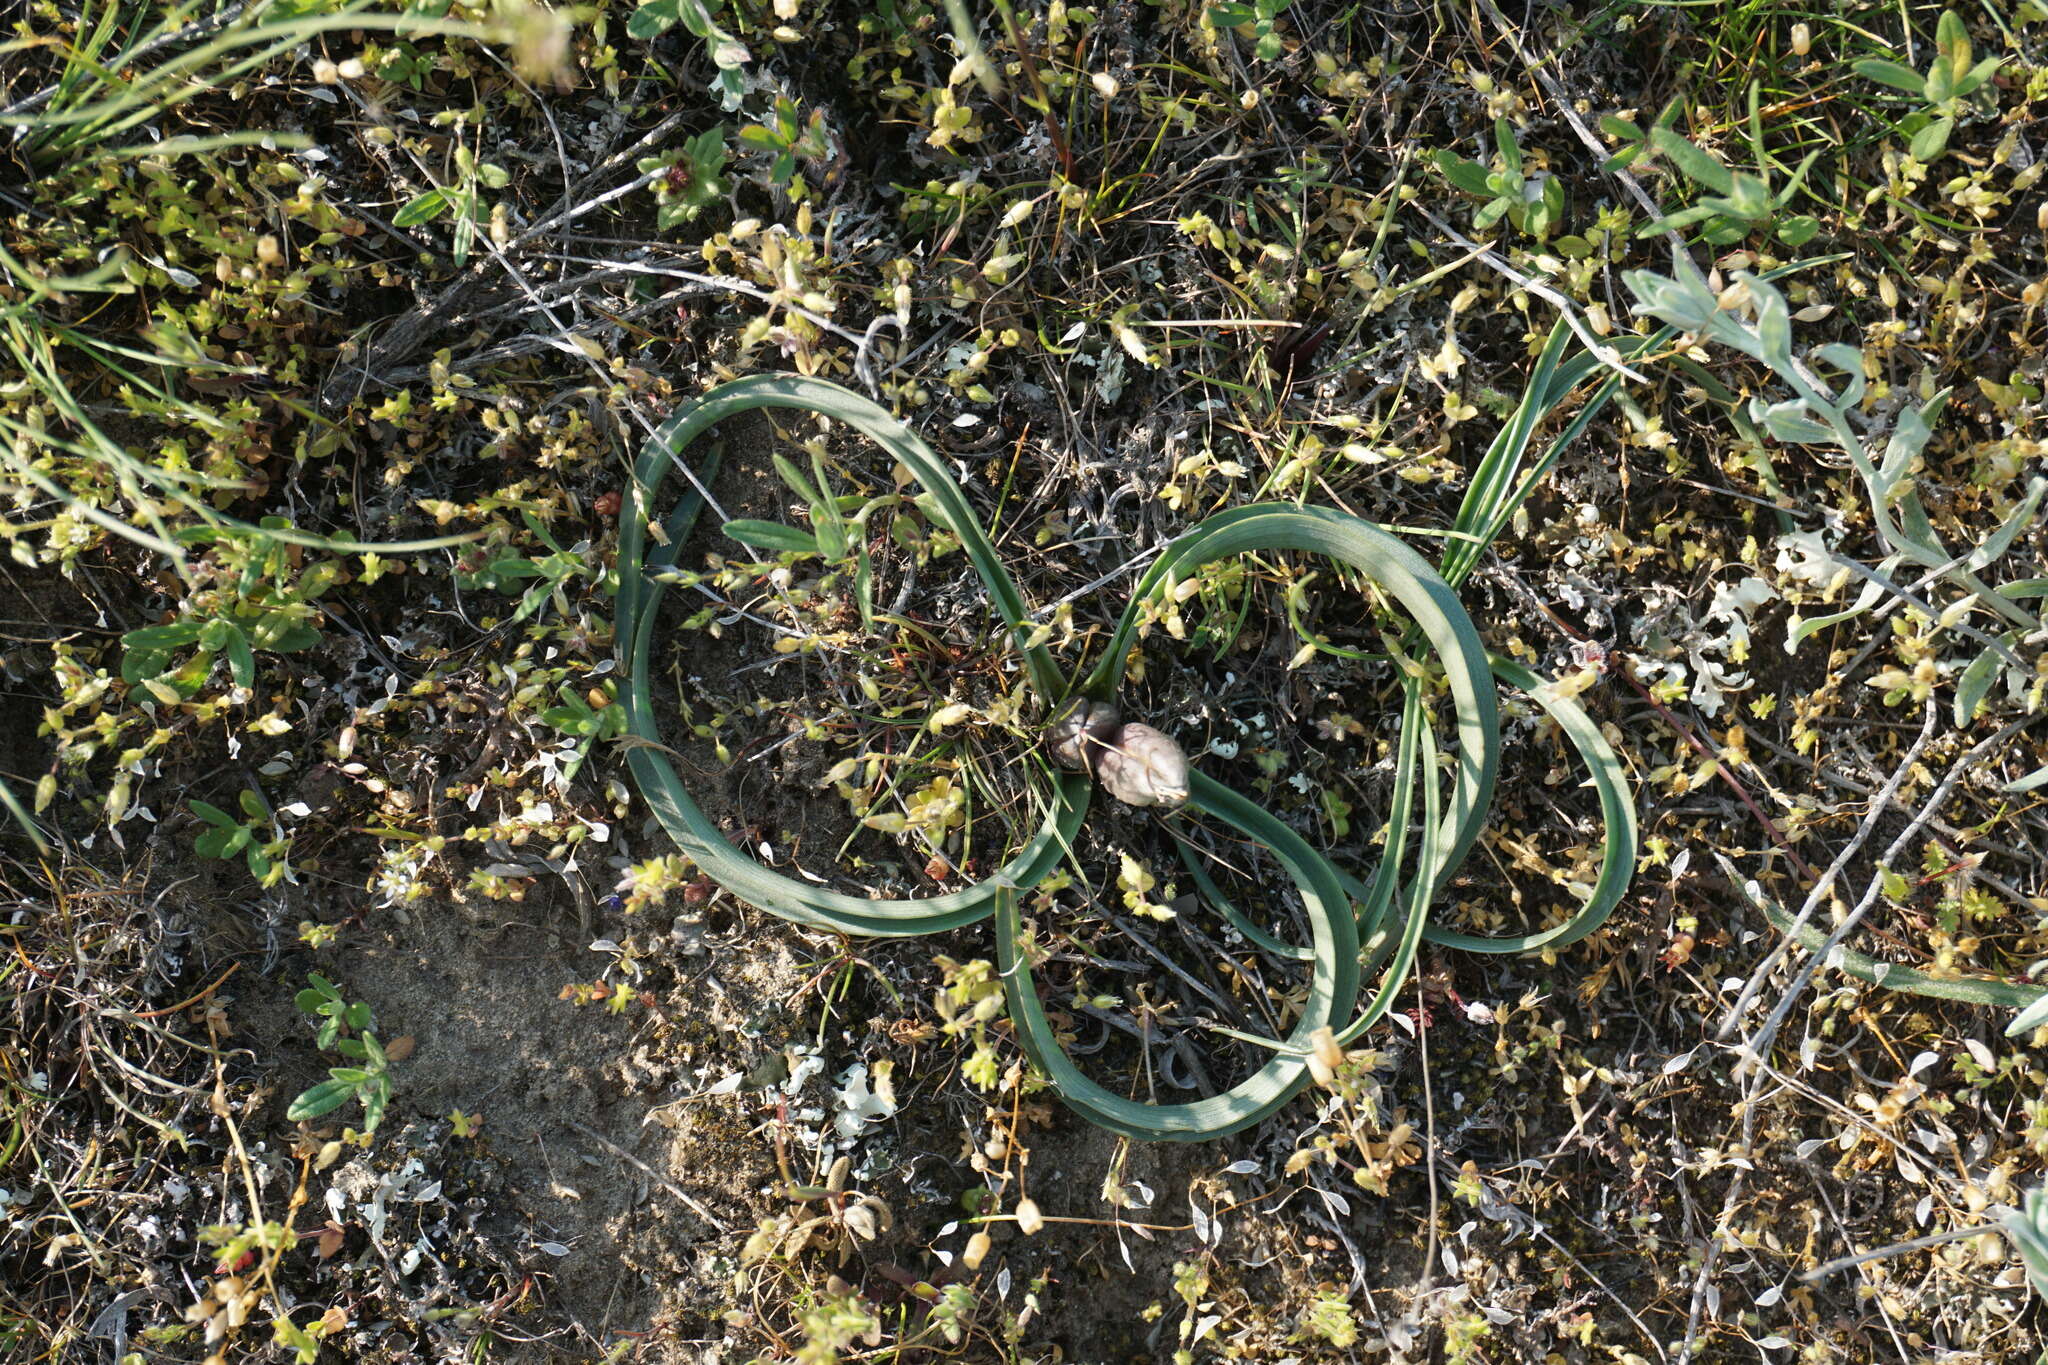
(214, 815)
(1669, 301)
(771, 535)
(1468, 176)
(423, 208)
(1940, 86)
(138, 665)
(1790, 423)
(1696, 164)
(1850, 361)
(241, 659)
(829, 532)
(1773, 325)
(566, 720)
(172, 636)
(1931, 142)
(374, 1100)
(1510, 150)
(2031, 782)
(323, 1098)
(2028, 1019)
(2020, 519)
(1910, 435)
(863, 596)
(826, 521)
(1750, 199)
(794, 477)
(1974, 685)
(653, 19)
(1898, 77)
(1677, 222)
(1798, 230)
(1975, 77)
(1800, 629)
(292, 638)
(697, 18)
(1954, 41)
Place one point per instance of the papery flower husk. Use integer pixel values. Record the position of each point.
(1143, 768)
(1080, 733)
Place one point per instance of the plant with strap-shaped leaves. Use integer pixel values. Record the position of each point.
(1363, 927)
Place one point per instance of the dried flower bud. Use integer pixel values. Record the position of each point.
(1324, 1056)
(976, 1252)
(1029, 1219)
(1081, 732)
(1143, 768)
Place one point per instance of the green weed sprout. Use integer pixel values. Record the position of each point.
(787, 137)
(369, 1083)
(1261, 17)
(462, 200)
(1534, 206)
(1732, 203)
(225, 836)
(538, 582)
(728, 54)
(269, 607)
(1949, 80)
(688, 180)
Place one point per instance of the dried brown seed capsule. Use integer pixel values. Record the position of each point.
(1080, 732)
(1143, 768)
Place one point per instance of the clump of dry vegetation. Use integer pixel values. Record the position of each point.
(356, 1007)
